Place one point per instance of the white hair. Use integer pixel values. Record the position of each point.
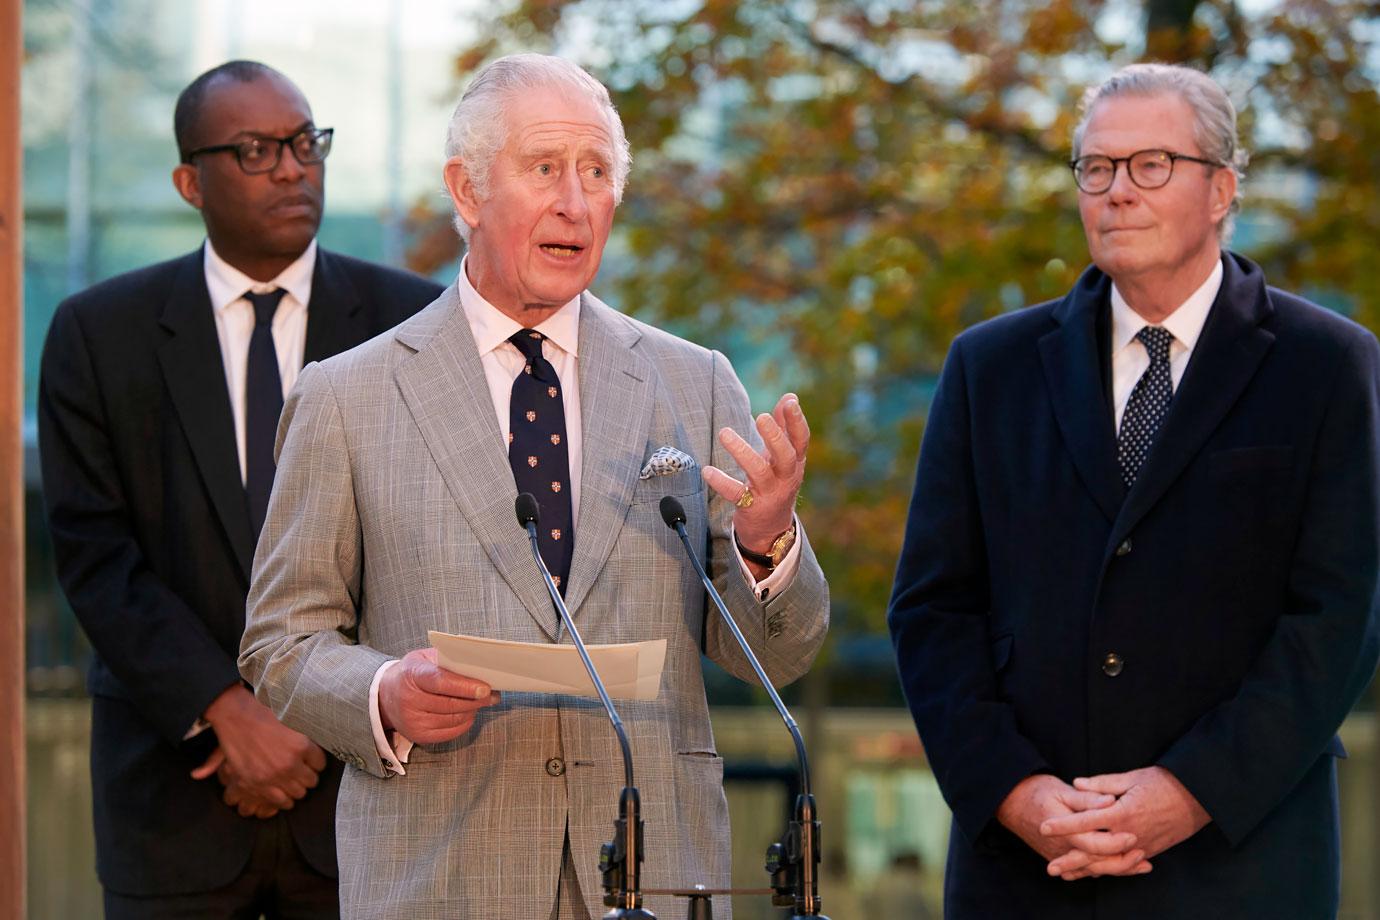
(479, 127)
(1214, 117)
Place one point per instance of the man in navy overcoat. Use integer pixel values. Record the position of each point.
(1137, 594)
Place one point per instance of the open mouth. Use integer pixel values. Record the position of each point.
(562, 250)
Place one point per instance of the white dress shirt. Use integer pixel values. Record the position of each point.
(235, 324)
(1129, 357)
(502, 362)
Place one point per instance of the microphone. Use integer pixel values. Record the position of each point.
(621, 860)
(793, 863)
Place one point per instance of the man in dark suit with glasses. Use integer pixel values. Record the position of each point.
(158, 408)
(1137, 594)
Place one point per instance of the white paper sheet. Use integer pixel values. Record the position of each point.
(630, 671)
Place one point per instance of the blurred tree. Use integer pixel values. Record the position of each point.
(832, 189)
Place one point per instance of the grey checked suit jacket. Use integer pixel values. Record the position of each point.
(392, 514)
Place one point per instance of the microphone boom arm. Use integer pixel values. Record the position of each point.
(752, 660)
(620, 861)
(794, 862)
(569, 623)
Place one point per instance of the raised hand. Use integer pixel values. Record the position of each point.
(774, 475)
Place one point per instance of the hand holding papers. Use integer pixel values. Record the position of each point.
(631, 670)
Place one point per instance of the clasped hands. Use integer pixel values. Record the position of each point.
(1112, 824)
(264, 766)
(774, 474)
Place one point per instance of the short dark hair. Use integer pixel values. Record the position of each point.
(187, 113)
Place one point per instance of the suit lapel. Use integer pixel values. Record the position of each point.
(446, 392)
(335, 321)
(616, 402)
(1072, 372)
(195, 377)
(1224, 360)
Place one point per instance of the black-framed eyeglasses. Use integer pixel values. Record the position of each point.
(1148, 169)
(262, 154)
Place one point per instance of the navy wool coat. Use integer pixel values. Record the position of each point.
(1234, 582)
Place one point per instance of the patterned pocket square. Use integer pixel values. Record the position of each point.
(667, 461)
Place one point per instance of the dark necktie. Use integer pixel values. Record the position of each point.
(1147, 406)
(538, 452)
(263, 403)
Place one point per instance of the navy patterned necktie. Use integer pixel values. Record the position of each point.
(263, 403)
(538, 453)
(1148, 404)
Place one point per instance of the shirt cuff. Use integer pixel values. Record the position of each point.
(392, 751)
(199, 726)
(781, 577)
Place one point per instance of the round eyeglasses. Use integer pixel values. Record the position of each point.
(1148, 169)
(262, 154)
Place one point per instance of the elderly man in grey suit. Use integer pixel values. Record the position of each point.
(392, 514)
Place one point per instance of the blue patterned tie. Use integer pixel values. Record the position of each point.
(263, 403)
(1147, 406)
(538, 453)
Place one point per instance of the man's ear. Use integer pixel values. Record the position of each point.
(187, 180)
(1223, 193)
(462, 191)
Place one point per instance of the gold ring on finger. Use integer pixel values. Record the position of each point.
(745, 500)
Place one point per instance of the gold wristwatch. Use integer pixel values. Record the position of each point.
(773, 556)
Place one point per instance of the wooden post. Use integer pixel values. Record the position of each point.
(12, 746)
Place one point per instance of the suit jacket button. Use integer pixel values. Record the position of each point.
(1112, 664)
(1124, 547)
(555, 766)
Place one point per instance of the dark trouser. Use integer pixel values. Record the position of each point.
(277, 884)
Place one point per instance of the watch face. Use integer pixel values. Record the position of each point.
(782, 545)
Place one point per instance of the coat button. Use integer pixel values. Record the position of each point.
(1112, 664)
(1124, 547)
(555, 766)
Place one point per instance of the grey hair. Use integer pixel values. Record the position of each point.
(1214, 117)
(478, 128)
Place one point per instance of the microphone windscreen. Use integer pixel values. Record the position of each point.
(672, 512)
(526, 508)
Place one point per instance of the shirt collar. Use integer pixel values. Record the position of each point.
(492, 327)
(1185, 323)
(227, 284)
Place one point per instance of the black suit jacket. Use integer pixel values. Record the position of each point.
(151, 530)
(1236, 581)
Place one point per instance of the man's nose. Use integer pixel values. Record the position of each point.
(571, 202)
(288, 168)
(1123, 190)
